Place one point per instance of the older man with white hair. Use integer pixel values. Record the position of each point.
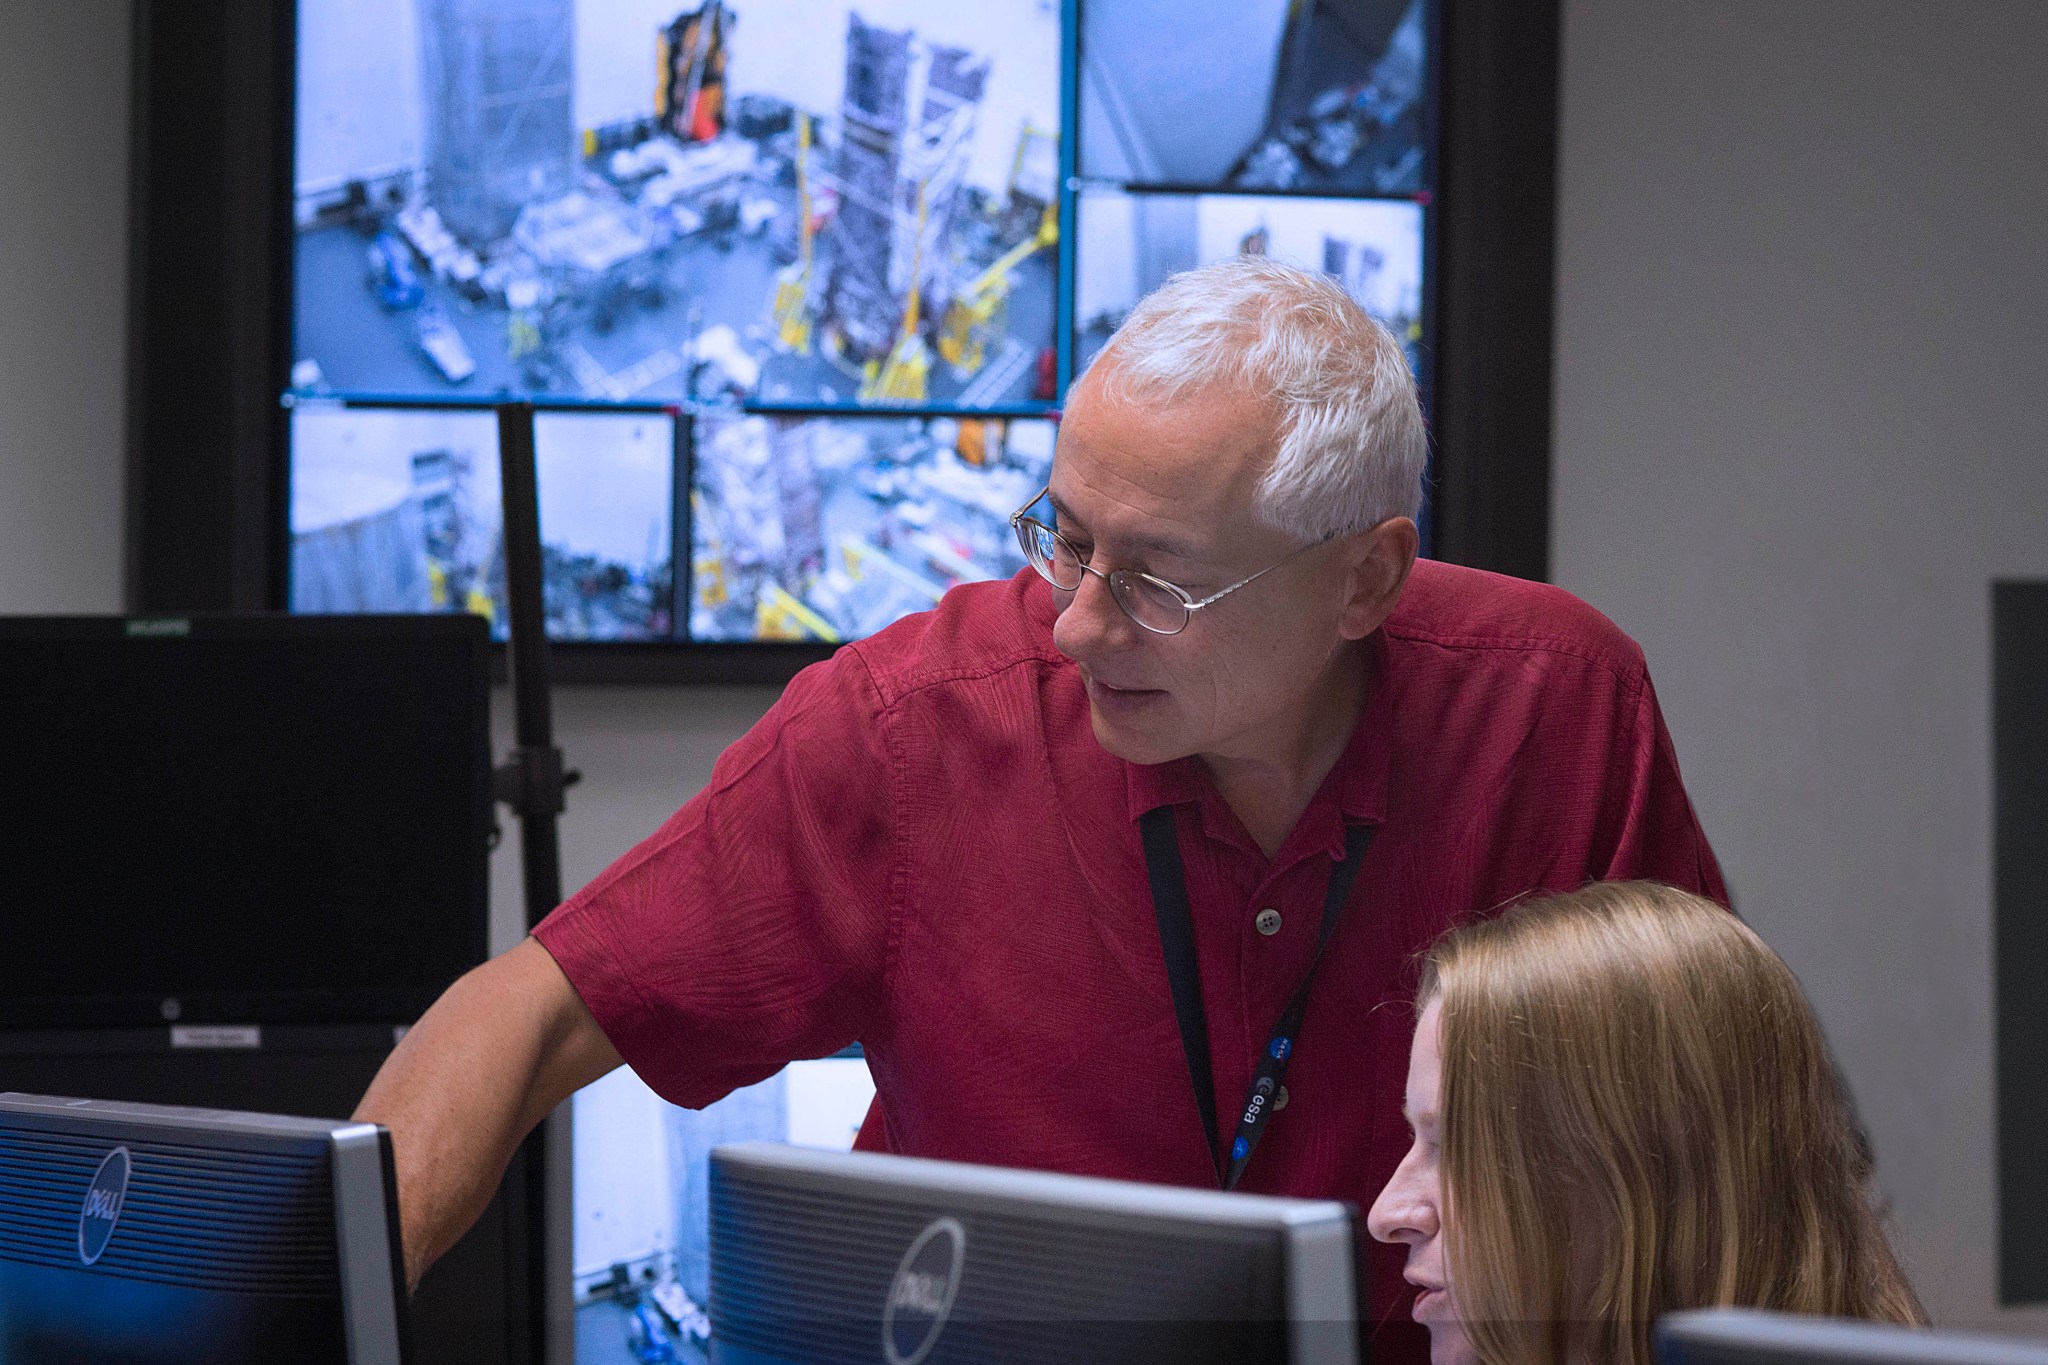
(1084, 857)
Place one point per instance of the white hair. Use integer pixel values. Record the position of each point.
(1351, 441)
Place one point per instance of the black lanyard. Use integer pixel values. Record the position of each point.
(1183, 975)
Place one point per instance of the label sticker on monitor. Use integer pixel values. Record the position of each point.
(216, 1035)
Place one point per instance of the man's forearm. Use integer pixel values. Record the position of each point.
(498, 1051)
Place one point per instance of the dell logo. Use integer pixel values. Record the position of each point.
(921, 1296)
(103, 1200)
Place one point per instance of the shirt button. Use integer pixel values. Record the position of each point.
(1268, 922)
(1280, 1099)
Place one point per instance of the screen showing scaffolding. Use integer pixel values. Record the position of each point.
(1198, 94)
(830, 528)
(398, 510)
(841, 255)
(1127, 244)
(801, 201)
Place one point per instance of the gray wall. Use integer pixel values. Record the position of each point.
(63, 303)
(1802, 339)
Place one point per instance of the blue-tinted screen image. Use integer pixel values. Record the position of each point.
(396, 510)
(607, 524)
(1129, 243)
(829, 528)
(807, 201)
(1330, 95)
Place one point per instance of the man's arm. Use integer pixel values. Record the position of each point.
(504, 1045)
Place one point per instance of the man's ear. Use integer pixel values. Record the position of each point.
(1378, 561)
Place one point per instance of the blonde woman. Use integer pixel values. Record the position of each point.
(1622, 1106)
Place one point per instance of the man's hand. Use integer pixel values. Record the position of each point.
(505, 1045)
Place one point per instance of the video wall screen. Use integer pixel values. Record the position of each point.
(829, 528)
(1129, 243)
(802, 201)
(1323, 96)
(398, 510)
(607, 484)
(818, 527)
(861, 243)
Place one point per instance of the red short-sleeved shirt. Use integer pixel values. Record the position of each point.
(923, 848)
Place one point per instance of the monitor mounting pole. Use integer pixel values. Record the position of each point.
(533, 782)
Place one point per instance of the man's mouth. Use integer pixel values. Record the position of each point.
(1111, 697)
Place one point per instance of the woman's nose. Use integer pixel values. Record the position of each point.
(1403, 1213)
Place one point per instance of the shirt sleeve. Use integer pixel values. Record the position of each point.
(753, 927)
(1651, 832)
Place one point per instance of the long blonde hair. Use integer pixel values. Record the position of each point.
(1640, 1115)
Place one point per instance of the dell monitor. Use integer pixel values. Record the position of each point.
(1746, 1336)
(134, 1233)
(859, 1257)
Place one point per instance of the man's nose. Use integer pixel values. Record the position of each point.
(1091, 621)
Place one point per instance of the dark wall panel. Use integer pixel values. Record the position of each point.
(208, 322)
(1496, 231)
(2019, 683)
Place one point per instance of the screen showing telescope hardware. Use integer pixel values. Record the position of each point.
(1326, 97)
(398, 510)
(1129, 243)
(641, 1242)
(829, 528)
(607, 485)
(801, 201)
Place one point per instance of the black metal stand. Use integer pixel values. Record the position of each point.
(533, 782)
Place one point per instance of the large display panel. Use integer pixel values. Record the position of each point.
(243, 820)
(398, 510)
(804, 201)
(1127, 244)
(829, 528)
(1204, 94)
(641, 1242)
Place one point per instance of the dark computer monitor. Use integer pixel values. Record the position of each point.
(1745, 1336)
(859, 1257)
(134, 1233)
(241, 820)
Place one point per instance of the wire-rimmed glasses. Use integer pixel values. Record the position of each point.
(1155, 604)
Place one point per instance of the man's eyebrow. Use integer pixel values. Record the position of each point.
(1178, 549)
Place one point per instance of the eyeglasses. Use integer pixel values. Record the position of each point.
(1159, 606)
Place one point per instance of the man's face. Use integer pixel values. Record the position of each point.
(1167, 489)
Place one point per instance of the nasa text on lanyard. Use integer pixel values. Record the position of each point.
(1177, 942)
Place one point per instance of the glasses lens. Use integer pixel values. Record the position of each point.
(1149, 602)
(1049, 554)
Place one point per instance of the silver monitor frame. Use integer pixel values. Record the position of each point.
(1751, 1336)
(1317, 1234)
(363, 1233)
